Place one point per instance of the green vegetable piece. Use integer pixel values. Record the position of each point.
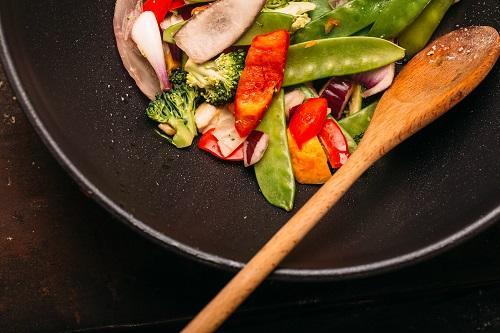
(357, 124)
(396, 17)
(265, 23)
(274, 171)
(356, 101)
(176, 108)
(217, 79)
(416, 36)
(322, 7)
(273, 4)
(338, 56)
(342, 21)
(308, 90)
(168, 34)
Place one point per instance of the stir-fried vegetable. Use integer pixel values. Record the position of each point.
(396, 16)
(342, 21)
(146, 35)
(309, 162)
(417, 35)
(262, 76)
(211, 31)
(308, 120)
(274, 171)
(217, 79)
(176, 109)
(324, 58)
(195, 66)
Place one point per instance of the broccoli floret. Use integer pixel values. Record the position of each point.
(176, 108)
(178, 77)
(217, 79)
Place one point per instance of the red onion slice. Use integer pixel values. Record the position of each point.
(376, 80)
(254, 147)
(126, 12)
(337, 92)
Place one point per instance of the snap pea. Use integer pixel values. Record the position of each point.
(396, 16)
(323, 58)
(264, 23)
(322, 7)
(274, 171)
(416, 36)
(357, 124)
(168, 34)
(342, 21)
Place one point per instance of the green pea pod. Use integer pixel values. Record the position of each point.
(264, 23)
(324, 58)
(415, 37)
(322, 7)
(342, 21)
(168, 34)
(274, 171)
(357, 124)
(396, 16)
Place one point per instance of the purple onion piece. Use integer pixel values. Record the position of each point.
(376, 80)
(254, 147)
(337, 92)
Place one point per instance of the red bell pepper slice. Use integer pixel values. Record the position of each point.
(334, 143)
(308, 120)
(159, 7)
(261, 77)
(208, 142)
(176, 4)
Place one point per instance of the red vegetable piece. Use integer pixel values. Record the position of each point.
(159, 7)
(334, 143)
(176, 4)
(308, 120)
(262, 76)
(209, 143)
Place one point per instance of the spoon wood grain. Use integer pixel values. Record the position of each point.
(429, 85)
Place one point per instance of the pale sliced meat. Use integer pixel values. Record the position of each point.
(216, 28)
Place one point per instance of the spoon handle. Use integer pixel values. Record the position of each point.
(278, 247)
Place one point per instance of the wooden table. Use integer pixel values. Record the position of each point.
(65, 264)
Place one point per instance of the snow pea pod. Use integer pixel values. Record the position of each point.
(396, 16)
(323, 58)
(415, 37)
(274, 171)
(357, 124)
(322, 7)
(264, 23)
(168, 34)
(342, 21)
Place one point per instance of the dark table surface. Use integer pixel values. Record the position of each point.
(65, 265)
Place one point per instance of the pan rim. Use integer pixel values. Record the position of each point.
(135, 224)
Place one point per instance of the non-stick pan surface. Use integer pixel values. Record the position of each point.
(435, 190)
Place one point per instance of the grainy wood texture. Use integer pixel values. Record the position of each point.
(457, 62)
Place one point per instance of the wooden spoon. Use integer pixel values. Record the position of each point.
(429, 85)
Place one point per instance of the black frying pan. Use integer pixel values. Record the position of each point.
(434, 191)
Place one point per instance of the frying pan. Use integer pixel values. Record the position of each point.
(432, 192)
